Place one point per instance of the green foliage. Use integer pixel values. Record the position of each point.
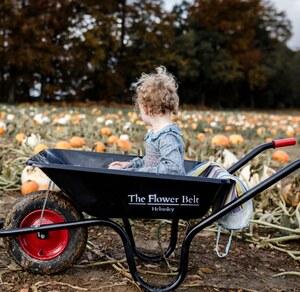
(224, 53)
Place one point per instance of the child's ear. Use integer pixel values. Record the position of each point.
(146, 110)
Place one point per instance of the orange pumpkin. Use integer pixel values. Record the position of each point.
(63, 145)
(29, 186)
(39, 147)
(99, 147)
(2, 115)
(112, 139)
(124, 144)
(281, 156)
(290, 132)
(105, 131)
(228, 128)
(236, 139)
(194, 126)
(220, 140)
(269, 139)
(208, 130)
(201, 137)
(95, 112)
(261, 131)
(20, 137)
(2, 131)
(77, 142)
(59, 129)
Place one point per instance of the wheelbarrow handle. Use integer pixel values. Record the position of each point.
(259, 149)
(284, 142)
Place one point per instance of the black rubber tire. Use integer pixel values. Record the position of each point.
(64, 207)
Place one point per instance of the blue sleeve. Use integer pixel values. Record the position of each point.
(136, 163)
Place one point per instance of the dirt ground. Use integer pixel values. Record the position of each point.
(103, 266)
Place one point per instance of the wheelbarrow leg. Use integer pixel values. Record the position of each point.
(183, 265)
(132, 265)
(153, 258)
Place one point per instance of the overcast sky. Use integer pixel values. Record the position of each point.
(290, 7)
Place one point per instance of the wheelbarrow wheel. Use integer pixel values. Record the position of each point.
(48, 252)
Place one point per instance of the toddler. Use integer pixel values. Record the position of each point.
(156, 98)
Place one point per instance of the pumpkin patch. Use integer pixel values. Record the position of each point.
(222, 137)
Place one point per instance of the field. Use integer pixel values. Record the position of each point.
(264, 257)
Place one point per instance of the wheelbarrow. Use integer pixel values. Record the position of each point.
(46, 232)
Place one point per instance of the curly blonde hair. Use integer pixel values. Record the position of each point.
(157, 92)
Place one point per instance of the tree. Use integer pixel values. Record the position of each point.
(295, 82)
(36, 46)
(229, 39)
(149, 39)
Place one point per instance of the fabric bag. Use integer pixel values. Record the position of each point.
(239, 217)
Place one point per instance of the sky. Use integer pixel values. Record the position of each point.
(291, 9)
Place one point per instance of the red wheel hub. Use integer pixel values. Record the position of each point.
(54, 243)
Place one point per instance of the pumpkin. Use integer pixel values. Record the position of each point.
(95, 112)
(281, 156)
(208, 130)
(99, 147)
(63, 145)
(59, 129)
(2, 115)
(290, 132)
(105, 131)
(32, 140)
(220, 140)
(124, 137)
(201, 137)
(228, 128)
(112, 139)
(269, 139)
(29, 186)
(38, 148)
(77, 142)
(20, 137)
(76, 120)
(261, 131)
(236, 139)
(43, 187)
(124, 144)
(2, 131)
(194, 126)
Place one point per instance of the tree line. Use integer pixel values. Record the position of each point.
(224, 53)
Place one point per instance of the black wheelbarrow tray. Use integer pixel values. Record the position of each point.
(45, 232)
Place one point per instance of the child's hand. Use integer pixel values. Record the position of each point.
(119, 164)
(115, 167)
